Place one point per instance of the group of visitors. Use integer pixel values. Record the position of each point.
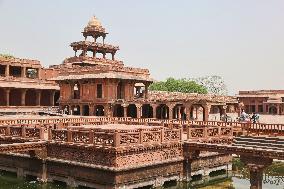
(246, 117)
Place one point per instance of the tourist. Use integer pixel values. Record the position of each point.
(254, 117)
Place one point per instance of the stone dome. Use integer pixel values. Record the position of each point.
(94, 22)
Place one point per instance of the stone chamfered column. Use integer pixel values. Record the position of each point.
(171, 107)
(38, 97)
(154, 107)
(92, 109)
(52, 96)
(124, 109)
(139, 110)
(207, 108)
(187, 111)
(23, 72)
(256, 165)
(23, 97)
(7, 91)
(7, 71)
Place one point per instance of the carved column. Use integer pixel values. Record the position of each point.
(7, 97)
(23, 97)
(92, 110)
(52, 96)
(171, 107)
(7, 71)
(256, 165)
(187, 111)
(139, 110)
(38, 97)
(278, 109)
(124, 109)
(207, 108)
(23, 72)
(154, 106)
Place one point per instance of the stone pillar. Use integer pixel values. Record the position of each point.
(146, 91)
(171, 107)
(38, 97)
(187, 112)
(52, 96)
(139, 110)
(278, 109)
(112, 56)
(196, 112)
(81, 109)
(256, 165)
(23, 97)
(124, 109)
(23, 71)
(207, 108)
(154, 106)
(256, 176)
(92, 110)
(7, 71)
(7, 97)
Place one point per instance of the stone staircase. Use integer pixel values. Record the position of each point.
(269, 143)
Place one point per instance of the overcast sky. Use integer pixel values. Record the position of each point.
(241, 40)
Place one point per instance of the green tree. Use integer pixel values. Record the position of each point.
(6, 55)
(178, 85)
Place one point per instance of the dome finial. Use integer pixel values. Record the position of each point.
(94, 22)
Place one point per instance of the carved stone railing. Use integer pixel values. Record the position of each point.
(22, 131)
(210, 134)
(115, 137)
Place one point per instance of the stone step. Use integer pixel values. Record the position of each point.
(260, 147)
(280, 146)
(258, 138)
(262, 139)
(258, 141)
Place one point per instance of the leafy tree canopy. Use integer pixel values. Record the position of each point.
(178, 85)
(214, 84)
(6, 55)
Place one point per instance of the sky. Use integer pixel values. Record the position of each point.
(242, 41)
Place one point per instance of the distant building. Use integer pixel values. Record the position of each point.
(263, 101)
(23, 82)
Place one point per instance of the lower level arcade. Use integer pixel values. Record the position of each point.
(170, 111)
(28, 97)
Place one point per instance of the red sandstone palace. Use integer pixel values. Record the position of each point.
(94, 82)
(263, 101)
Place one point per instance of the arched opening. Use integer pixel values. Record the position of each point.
(118, 111)
(76, 110)
(179, 112)
(85, 110)
(147, 111)
(56, 98)
(99, 110)
(120, 90)
(132, 111)
(76, 91)
(3, 99)
(272, 110)
(162, 111)
(139, 90)
(31, 98)
(197, 113)
(15, 97)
